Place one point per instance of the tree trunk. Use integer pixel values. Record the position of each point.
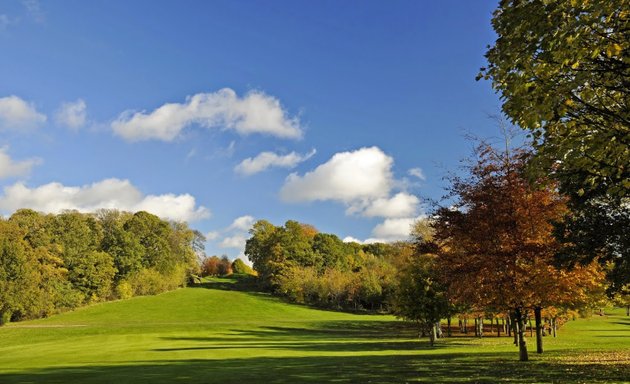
(461, 326)
(480, 324)
(508, 323)
(531, 329)
(438, 330)
(514, 327)
(432, 335)
(539, 333)
(476, 327)
(465, 325)
(627, 310)
(498, 328)
(448, 330)
(553, 326)
(522, 344)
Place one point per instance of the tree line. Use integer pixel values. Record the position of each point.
(492, 252)
(51, 263)
(299, 263)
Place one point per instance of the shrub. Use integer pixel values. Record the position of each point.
(239, 266)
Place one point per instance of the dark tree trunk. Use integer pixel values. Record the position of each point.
(476, 327)
(498, 328)
(531, 329)
(627, 310)
(508, 323)
(461, 326)
(539, 333)
(514, 327)
(522, 344)
(448, 330)
(553, 326)
(465, 325)
(432, 335)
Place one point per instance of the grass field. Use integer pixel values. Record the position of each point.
(216, 333)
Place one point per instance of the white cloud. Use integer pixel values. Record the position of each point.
(11, 168)
(394, 229)
(108, 193)
(243, 223)
(400, 205)
(212, 235)
(236, 241)
(266, 160)
(417, 172)
(350, 239)
(390, 230)
(256, 112)
(361, 179)
(347, 176)
(17, 114)
(371, 240)
(72, 114)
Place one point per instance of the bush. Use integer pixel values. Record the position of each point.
(239, 266)
(5, 317)
(124, 290)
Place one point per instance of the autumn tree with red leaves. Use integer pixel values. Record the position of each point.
(496, 244)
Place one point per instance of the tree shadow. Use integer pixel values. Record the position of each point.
(234, 282)
(442, 368)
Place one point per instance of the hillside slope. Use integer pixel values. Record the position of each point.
(215, 334)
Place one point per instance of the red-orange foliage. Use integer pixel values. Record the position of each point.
(496, 242)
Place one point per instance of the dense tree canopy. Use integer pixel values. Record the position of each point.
(298, 262)
(496, 242)
(562, 68)
(50, 263)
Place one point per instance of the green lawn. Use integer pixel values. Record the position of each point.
(217, 334)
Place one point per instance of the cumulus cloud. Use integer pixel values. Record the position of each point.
(390, 230)
(17, 114)
(11, 168)
(347, 176)
(243, 223)
(400, 205)
(362, 180)
(394, 229)
(72, 114)
(236, 241)
(417, 172)
(266, 160)
(108, 193)
(256, 112)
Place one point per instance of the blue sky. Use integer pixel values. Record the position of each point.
(338, 114)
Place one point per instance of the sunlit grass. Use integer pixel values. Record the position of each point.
(217, 334)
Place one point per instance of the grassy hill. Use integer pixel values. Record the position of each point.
(217, 333)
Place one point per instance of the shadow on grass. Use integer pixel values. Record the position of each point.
(443, 368)
(241, 283)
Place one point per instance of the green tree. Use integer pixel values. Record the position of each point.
(121, 244)
(419, 296)
(239, 267)
(153, 235)
(562, 69)
(19, 293)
